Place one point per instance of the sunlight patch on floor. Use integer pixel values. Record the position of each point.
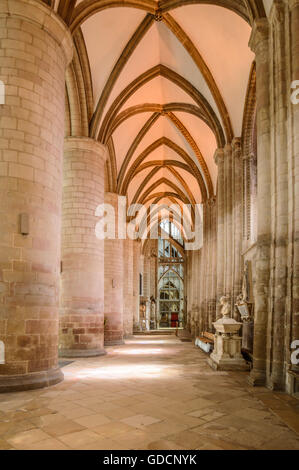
(116, 372)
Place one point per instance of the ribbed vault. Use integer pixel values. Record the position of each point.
(163, 85)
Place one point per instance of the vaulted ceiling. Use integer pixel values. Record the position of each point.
(162, 85)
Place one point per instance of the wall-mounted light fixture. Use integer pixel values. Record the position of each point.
(24, 224)
(2, 92)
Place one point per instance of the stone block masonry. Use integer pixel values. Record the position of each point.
(114, 281)
(82, 253)
(35, 49)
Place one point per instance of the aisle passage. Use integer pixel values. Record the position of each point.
(154, 392)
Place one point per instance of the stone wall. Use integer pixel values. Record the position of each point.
(268, 239)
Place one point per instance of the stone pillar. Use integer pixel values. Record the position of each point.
(195, 310)
(190, 281)
(36, 48)
(237, 221)
(196, 292)
(279, 102)
(82, 253)
(259, 43)
(213, 291)
(293, 263)
(210, 294)
(113, 282)
(207, 264)
(219, 159)
(204, 266)
(188, 289)
(228, 226)
(136, 274)
(128, 286)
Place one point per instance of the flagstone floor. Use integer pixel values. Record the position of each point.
(156, 393)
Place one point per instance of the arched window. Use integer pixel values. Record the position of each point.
(170, 277)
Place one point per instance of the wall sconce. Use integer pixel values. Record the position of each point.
(113, 284)
(2, 92)
(24, 224)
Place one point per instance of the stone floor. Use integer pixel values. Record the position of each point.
(152, 393)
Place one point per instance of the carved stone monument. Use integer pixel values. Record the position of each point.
(227, 348)
(245, 311)
(153, 319)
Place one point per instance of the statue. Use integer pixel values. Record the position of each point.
(243, 307)
(226, 307)
(246, 291)
(153, 309)
(153, 320)
(245, 311)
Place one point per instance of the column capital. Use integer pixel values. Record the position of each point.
(249, 157)
(228, 149)
(86, 144)
(212, 201)
(237, 147)
(259, 38)
(277, 12)
(111, 198)
(236, 142)
(110, 195)
(293, 4)
(219, 156)
(40, 15)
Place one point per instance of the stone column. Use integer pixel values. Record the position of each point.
(210, 295)
(191, 300)
(196, 293)
(82, 253)
(128, 286)
(219, 159)
(228, 226)
(204, 266)
(237, 221)
(136, 274)
(195, 296)
(259, 43)
(214, 261)
(36, 48)
(188, 288)
(209, 263)
(113, 282)
(293, 263)
(279, 104)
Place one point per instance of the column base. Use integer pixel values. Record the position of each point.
(276, 385)
(257, 378)
(35, 380)
(78, 353)
(228, 365)
(117, 342)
